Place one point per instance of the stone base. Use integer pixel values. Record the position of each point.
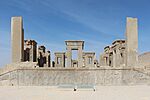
(26, 76)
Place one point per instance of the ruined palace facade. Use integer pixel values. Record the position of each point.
(114, 55)
(119, 64)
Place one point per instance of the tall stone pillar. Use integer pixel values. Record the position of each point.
(80, 57)
(107, 60)
(33, 50)
(102, 60)
(131, 42)
(114, 58)
(69, 57)
(17, 39)
(118, 58)
(48, 59)
(41, 56)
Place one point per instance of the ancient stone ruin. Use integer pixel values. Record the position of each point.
(119, 64)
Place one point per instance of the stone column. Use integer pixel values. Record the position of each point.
(107, 59)
(86, 60)
(69, 56)
(17, 39)
(34, 46)
(111, 60)
(131, 42)
(31, 54)
(48, 59)
(118, 57)
(101, 60)
(42, 56)
(114, 58)
(63, 60)
(80, 57)
(124, 57)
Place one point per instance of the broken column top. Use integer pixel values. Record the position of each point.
(132, 18)
(48, 52)
(30, 42)
(107, 47)
(42, 48)
(118, 41)
(16, 17)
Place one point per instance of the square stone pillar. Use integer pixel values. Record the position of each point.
(111, 59)
(17, 39)
(80, 57)
(131, 42)
(107, 59)
(42, 56)
(102, 60)
(48, 59)
(114, 58)
(69, 57)
(34, 51)
(117, 58)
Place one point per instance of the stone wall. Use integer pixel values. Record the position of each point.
(144, 59)
(80, 77)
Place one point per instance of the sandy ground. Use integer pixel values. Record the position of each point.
(53, 93)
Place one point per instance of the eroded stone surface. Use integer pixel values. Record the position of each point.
(118, 63)
(52, 77)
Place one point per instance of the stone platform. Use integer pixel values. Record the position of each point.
(30, 76)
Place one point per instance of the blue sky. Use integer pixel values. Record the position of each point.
(51, 22)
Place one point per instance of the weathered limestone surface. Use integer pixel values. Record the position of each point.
(131, 42)
(17, 39)
(51, 76)
(136, 77)
(74, 45)
(48, 59)
(118, 64)
(144, 59)
(89, 58)
(44, 57)
(30, 50)
(114, 55)
(59, 59)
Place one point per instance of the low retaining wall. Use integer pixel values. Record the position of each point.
(80, 77)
